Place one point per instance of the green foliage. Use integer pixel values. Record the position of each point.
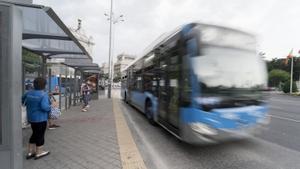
(29, 57)
(31, 61)
(280, 64)
(105, 76)
(286, 87)
(117, 79)
(277, 64)
(277, 76)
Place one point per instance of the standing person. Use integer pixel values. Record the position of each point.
(38, 106)
(85, 91)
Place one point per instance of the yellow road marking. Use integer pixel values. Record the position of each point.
(130, 155)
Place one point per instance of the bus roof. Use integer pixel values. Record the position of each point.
(166, 36)
(161, 39)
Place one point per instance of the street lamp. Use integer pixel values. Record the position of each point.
(112, 21)
(119, 19)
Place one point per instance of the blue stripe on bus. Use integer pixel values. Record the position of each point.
(138, 99)
(186, 29)
(192, 47)
(154, 102)
(195, 86)
(215, 119)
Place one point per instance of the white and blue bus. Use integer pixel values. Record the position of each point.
(201, 82)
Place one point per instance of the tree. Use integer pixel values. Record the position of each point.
(277, 76)
(277, 63)
(31, 61)
(286, 87)
(105, 76)
(117, 78)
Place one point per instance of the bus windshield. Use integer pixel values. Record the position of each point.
(224, 68)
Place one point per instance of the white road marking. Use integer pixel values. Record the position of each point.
(285, 118)
(275, 107)
(284, 101)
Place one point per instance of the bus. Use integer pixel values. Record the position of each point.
(201, 82)
(54, 83)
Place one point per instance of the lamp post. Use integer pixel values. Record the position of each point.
(112, 21)
(109, 54)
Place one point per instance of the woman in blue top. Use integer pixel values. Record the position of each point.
(38, 106)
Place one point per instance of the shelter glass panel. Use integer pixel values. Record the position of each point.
(1, 67)
(4, 29)
(46, 34)
(50, 44)
(36, 20)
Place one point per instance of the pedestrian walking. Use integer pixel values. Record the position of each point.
(85, 92)
(38, 106)
(91, 81)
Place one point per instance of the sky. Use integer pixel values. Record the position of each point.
(275, 22)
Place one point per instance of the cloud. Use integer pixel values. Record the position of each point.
(275, 22)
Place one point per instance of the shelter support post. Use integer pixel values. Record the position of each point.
(49, 80)
(44, 67)
(59, 83)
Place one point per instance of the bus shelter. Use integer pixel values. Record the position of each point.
(69, 83)
(39, 30)
(84, 69)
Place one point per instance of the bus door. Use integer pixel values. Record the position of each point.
(173, 88)
(163, 88)
(137, 96)
(169, 89)
(129, 84)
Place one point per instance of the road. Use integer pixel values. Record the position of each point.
(277, 147)
(284, 128)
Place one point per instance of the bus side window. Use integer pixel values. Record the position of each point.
(134, 77)
(131, 78)
(139, 82)
(137, 76)
(149, 73)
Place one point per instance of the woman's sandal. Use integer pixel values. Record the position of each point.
(30, 155)
(43, 154)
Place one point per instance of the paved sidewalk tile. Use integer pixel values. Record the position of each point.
(85, 140)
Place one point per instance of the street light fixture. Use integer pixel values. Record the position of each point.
(115, 20)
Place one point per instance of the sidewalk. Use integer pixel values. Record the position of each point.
(85, 140)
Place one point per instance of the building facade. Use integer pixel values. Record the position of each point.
(104, 68)
(123, 60)
(85, 41)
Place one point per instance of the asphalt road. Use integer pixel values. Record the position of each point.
(277, 147)
(284, 128)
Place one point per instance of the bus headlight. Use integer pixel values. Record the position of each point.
(203, 129)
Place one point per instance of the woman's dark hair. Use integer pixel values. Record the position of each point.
(39, 83)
